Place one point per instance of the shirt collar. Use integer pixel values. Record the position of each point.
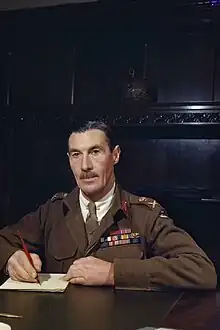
(100, 202)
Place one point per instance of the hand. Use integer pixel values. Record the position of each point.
(20, 269)
(90, 271)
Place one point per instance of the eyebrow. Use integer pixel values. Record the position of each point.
(73, 150)
(96, 146)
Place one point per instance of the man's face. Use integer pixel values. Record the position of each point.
(92, 162)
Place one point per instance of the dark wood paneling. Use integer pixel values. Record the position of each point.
(184, 69)
(4, 78)
(178, 63)
(42, 76)
(177, 69)
(166, 164)
(5, 171)
(39, 168)
(217, 75)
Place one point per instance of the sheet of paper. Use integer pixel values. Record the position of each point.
(150, 328)
(49, 283)
(4, 326)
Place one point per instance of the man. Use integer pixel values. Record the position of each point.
(99, 234)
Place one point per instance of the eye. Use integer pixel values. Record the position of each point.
(75, 154)
(95, 152)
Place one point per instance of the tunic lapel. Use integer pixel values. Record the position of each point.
(112, 217)
(74, 220)
(115, 217)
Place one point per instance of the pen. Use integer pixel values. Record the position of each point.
(11, 315)
(27, 254)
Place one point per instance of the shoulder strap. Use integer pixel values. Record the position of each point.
(58, 196)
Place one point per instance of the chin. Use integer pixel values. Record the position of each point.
(89, 188)
(91, 191)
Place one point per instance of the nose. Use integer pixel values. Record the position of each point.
(86, 164)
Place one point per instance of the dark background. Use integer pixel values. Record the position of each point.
(63, 64)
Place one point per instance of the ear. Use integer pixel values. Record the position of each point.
(116, 154)
(68, 155)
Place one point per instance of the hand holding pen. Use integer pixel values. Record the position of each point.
(28, 256)
(24, 266)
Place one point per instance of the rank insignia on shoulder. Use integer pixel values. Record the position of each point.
(150, 202)
(142, 199)
(58, 196)
(163, 214)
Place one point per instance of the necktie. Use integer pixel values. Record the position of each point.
(92, 220)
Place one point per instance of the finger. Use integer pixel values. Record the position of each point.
(19, 278)
(14, 276)
(37, 262)
(18, 273)
(26, 265)
(68, 275)
(73, 272)
(77, 280)
(23, 275)
(81, 261)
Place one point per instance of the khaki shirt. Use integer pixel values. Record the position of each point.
(162, 255)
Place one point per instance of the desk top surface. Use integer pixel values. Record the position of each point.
(87, 308)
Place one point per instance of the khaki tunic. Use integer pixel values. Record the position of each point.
(166, 255)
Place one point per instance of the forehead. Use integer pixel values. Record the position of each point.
(87, 139)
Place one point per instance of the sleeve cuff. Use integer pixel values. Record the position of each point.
(4, 260)
(131, 274)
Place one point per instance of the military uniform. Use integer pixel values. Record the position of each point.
(147, 249)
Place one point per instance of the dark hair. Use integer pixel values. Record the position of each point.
(100, 125)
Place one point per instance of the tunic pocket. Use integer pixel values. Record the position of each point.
(61, 246)
(128, 251)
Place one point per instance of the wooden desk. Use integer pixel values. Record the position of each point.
(195, 311)
(87, 308)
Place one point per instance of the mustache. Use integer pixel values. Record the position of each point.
(87, 175)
